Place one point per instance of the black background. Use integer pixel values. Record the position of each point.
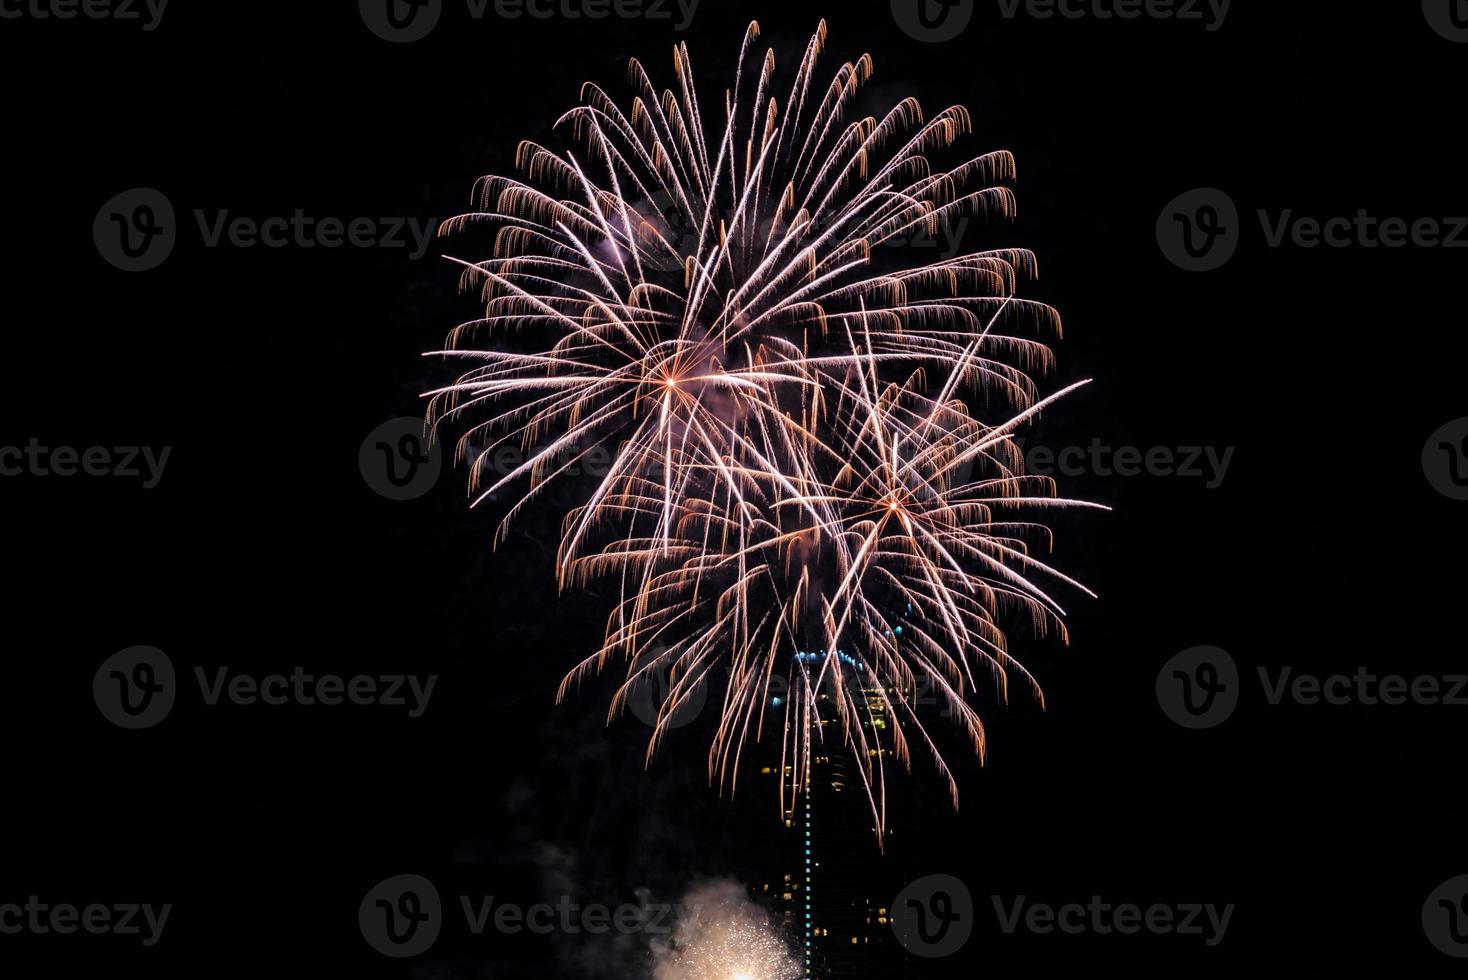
(262, 548)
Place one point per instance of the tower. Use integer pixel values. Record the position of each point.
(827, 880)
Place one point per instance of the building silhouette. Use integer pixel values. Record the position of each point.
(825, 877)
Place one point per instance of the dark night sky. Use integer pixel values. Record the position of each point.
(262, 548)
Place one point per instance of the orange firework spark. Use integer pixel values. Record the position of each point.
(794, 465)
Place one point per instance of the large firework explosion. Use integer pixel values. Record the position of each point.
(803, 494)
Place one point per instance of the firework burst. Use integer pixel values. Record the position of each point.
(724, 936)
(803, 489)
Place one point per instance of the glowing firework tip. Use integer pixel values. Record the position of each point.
(830, 449)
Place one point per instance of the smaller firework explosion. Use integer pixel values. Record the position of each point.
(724, 936)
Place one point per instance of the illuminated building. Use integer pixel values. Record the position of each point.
(826, 878)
